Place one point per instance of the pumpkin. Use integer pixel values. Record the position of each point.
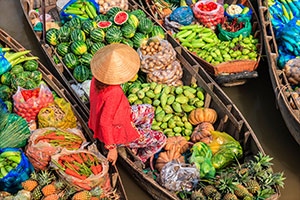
(168, 156)
(202, 115)
(178, 143)
(202, 133)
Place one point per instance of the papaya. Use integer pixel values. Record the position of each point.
(194, 85)
(155, 127)
(170, 100)
(158, 89)
(176, 106)
(191, 90)
(168, 109)
(156, 102)
(176, 118)
(173, 90)
(134, 90)
(187, 108)
(184, 118)
(187, 132)
(144, 85)
(157, 96)
(182, 99)
(170, 134)
(167, 130)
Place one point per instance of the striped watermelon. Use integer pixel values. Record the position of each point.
(64, 34)
(128, 31)
(133, 21)
(75, 23)
(88, 26)
(18, 82)
(113, 35)
(36, 76)
(78, 48)
(31, 65)
(139, 39)
(89, 43)
(100, 18)
(158, 32)
(70, 60)
(30, 84)
(81, 73)
(113, 11)
(56, 59)
(63, 49)
(52, 36)
(104, 25)
(139, 14)
(86, 59)
(120, 18)
(97, 35)
(145, 26)
(77, 35)
(128, 42)
(16, 69)
(96, 47)
(7, 78)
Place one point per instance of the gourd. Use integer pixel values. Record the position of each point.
(202, 115)
(202, 133)
(167, 156)
(177, 143)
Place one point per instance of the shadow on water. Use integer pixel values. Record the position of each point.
(255, 100)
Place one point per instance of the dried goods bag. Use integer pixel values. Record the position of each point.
(67, 15)
(106, 5)
(58, 114)
(44, 143)
(228, 36)
(292, 71)
(73, 171)
(28, 103)
(245, 16)
(12, 181)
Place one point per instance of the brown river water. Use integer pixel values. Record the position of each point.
(256, 100)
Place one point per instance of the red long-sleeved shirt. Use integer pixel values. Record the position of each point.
(110, 116)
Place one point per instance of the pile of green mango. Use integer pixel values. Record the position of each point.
(172, 105)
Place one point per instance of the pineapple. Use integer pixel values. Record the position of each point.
(83, 195)
(241, 192)
(230, 196)
(36, 193)
(211, 192)
(48, 190)
(253, 186)
(30, 184)
(52, 197)
(45, 179)
(67, 193)
(197, 195)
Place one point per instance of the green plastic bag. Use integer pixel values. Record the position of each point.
(228, 36)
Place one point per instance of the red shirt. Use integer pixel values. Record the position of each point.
(110, 115)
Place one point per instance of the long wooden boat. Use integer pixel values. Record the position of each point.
(230, 73)
(286, 102)
(230, 119)
(7, 41)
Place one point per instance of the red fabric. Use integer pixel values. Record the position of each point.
(110, 116)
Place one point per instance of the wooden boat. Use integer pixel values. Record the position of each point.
(230, 119)
(235, 72)
(286, 102)
(7, 41)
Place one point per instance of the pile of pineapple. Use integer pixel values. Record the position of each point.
(45, 186)
(250, 181)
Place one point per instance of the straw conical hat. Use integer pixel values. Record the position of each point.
(115, 64)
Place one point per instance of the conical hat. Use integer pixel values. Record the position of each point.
(115, 64)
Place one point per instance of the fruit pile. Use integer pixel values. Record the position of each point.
(9, 160)
(232, 26)
(83, 9)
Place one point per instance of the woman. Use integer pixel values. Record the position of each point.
(112, 119)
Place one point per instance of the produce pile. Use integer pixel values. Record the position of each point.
(82, 9)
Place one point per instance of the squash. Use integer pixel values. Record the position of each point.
(202, 115)
(167, 156)
(202, 133)
(179, 143)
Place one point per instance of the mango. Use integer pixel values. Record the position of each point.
(158, 110)
(200, 95)
(145, 85)
(160, 116)
(158, 89)
(134, 90)
(181, 99)
(137, 102)
(157, 96)
(166, 89)
(176, 106)
(170, 100)
(164, 125)
(168, 109)
(167, 117)
(179, 90)
(171, 123)
(188, 94)
(147, 100)
(155, 127)
(141, 94)
(145, 89)
(184, 119)
(177, 129)
(188, 132)
(199, 104)
(179, 123)
(176, 118)
(187, 138)
(170, 134)
(188, 125)
(177, 134)
(156, 102)
(150, 94)
(186, 108)
(153, 85)
(172, 90)
(194, 85)
(132, 98)
(167, 130)
(191, 90)
(163, 99)
(193, 101)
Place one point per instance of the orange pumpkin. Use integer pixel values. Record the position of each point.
(167, 156)
(178, 143)
(202, 133)
(203, 115)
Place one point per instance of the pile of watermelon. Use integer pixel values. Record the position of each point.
(77, 41)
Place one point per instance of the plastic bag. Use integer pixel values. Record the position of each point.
(182, 15)
(5, 65)
(179, 176)
(12, 181)
(210, 18)
(68, 16)
(28, 109)
(58, 114)
(292, 71)
(201, 156)
(3, 106)
(39, 152)
(246, 16)
(105, 5)
(228, 36)
(101, 179)
(225, 149)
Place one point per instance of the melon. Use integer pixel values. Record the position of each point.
(113, 35)
(81, 73)
(104, 25)
(128, 31)
(113, 11)
(120, 18)
(145, 26)
(100, 18)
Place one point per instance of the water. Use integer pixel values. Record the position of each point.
(255, 100)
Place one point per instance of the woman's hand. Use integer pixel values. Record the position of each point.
(112, 156)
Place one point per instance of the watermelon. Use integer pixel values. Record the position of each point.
(52, 36)
(120, 18)
(113, 11)
(16, 69)
(86, 59)
(75, 23)
(64, 34)
(128, 42)
(77, 35)
(89, 43)
(133, 21)
(31, 65)
(81, 73)
(97, 35)
(158, 32)
(30, 84)
(5, 92)
(62, 49)
(145, 26)
(78, 48)
(56, 59)
(100, 18)
(139, 39)
(70, 60)
(96, 47)
(18, 82)
(139, 14)
(9, 106)
(113, 35)
(24, 75)
(128, 31)
(88, 26)
(104, 25)
(36, 76)
(6, 78)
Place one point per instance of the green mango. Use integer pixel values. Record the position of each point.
(164, 125)
(132, 98)
(184, 119)
(153, 85)
(170, 134)
(187, 138)
(134, 90)
(179, 123)
(167, 130)
(145, 85)
(158, 110)
(160, 116)
(171, 123)
(158, 89)
(168, 109)
(194, 85)
(192, 90)
(167, 89)
(177, 134)
(193, 101)
(177, 129)
(188, 132)
(172, 90)
(182, 99)
(176, 106)
(199, 104)
(137, 102)
(147, 100)
(187, 108)
(170, 100)
(188, 94)
(141, 94)
(179, 90)
(163, 99)
(177, 118)
(200, 95)
(157, 96)
(167, 117)
(188, 125)
(145, 89)
(150, 94)
(185, 87)
(156, 102)
(155, 127)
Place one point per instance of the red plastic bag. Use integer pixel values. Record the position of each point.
(28, 103)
